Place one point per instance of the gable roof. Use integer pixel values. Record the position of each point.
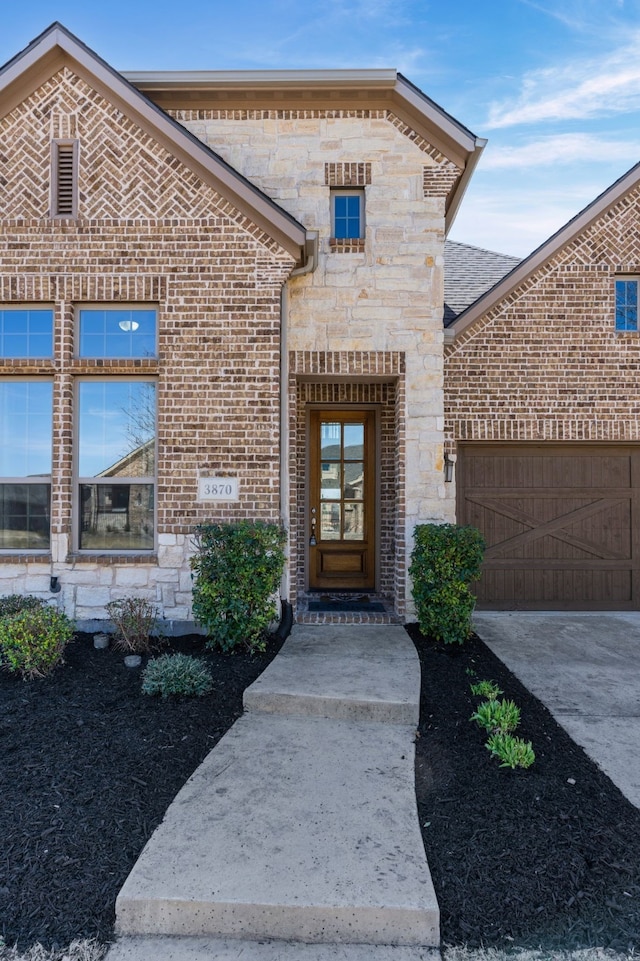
(322, 89)
(544, 253)
(468, 273)
(56, 47)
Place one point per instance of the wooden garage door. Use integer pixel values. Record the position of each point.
(560, 521)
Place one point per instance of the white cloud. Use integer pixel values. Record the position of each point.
(580, 89)
(560, 149)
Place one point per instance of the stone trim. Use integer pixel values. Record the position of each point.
(352, 363)
(347, 174)
(347, 246)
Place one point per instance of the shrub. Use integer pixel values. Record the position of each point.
(512, 751)
(134, 618)
(500, 716)
(32, 641)
(14, 603)
(488, 689)
(177, 674)
(237, 571)
(444, 561)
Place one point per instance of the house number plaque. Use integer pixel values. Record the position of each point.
(218, 489)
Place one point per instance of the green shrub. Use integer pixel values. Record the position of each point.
(444, 561)
(237, 571)
(512, 751)
(500, 716)
(32, 641)
(178, 674)
(488, 689)
(14, 603)
(134, 619)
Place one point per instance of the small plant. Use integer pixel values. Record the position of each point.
(497, 716)
(134, 618)
(177, 674)
(15, 603)
(512, 751)
(33, 641)
(488, 689)
(237, 571)
(444, 561)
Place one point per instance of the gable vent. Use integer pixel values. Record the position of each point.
(64, 179)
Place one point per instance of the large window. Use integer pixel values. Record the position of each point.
(116, 464)
(26, 332)
(117, 332)
(627, 303)
(25, 464)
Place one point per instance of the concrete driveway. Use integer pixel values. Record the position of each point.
(585, 667)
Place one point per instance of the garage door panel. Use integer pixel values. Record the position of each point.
(558, 521)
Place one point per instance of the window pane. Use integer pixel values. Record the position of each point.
(353, 441)
(117, 429)
(330, 436)
(116, 517)
(25, 428)
(26, 333)
(24, 516)
(330, 482)
(626, 305)
(330, 522)
(354, 522)
(117, 333)
(347, 217)
(354, 481)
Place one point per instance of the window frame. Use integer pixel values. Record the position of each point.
(56, 213)
(34, 479)
(348, 192)
(16, 308)
(79, 480)
(118, 306)
(626, 278)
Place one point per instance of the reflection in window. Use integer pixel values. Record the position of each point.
(26, 333)
(116, 464)
(25, 464)
(117, 332)
(626, 305)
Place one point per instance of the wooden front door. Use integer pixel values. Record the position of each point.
(342, 500)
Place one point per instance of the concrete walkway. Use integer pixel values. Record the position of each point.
(298, 836)
(586, 669)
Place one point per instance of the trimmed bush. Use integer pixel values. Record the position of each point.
(32, 641)
(14, 603)
(134, 618)
(176, 674)
(444, 561)
(237, 570)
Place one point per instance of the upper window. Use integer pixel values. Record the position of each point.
(25, 463)
(117, 332)
(26, 332)
(347, 214)
(627, 304)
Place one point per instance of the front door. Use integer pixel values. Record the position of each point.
(342, 500)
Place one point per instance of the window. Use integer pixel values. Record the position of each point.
(116, 464)
(25, 464)
(64, 178)
(627, 304)
(26, 332)
(347, 215)
(121, 332)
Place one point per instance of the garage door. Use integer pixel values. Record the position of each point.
(560, 521)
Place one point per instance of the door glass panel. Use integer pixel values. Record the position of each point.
(354, 481)
(330, 481)
(330, 522)
(330, 440)
(353, 522)
(353, 441)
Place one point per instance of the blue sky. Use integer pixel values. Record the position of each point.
(553, 84)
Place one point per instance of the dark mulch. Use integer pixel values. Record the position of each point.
(524, 858)
(88, 766)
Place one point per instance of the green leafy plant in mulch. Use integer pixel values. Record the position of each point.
(33, 640)
(445, 559)
(134, 621)
(176, 675)
(512, 751)
(500, 719)
(486, 689)
(237, 569)
(497, 716)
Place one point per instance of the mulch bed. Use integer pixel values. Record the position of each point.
(88, 766)
(519, 858)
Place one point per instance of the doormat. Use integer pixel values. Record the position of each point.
(346, 607)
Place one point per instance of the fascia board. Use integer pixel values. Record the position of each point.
(259, 79)
(259, 208)
(541, 255)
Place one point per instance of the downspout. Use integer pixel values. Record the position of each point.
(310, 264)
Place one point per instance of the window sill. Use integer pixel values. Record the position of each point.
(20, 557)
(108, 559)
(346, 246)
